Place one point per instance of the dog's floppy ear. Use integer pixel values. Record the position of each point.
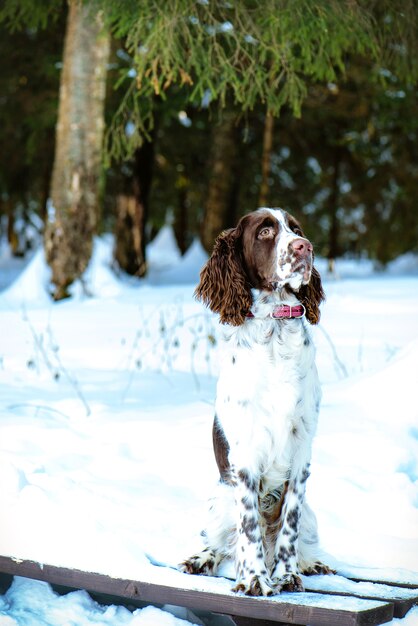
(223, 285)
(311, 296)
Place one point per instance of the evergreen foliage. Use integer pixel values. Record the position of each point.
(348, 68)
(33, 14)
(252, 51)
(30, 61)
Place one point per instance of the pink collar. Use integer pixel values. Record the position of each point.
(284, 311)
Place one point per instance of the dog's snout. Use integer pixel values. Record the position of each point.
(301, 247)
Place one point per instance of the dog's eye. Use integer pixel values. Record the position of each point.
(266, 232)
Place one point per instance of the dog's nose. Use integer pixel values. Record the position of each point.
(301, 247)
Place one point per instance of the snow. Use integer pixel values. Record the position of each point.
(163, 252)
(372, 590)
(105, 427)
(186, 271)
(32, 603)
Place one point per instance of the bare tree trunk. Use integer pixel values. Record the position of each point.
(222, 196)
(333, 236)
(129, 235)
(75, 188)
(266, 160)
(12, 237)
(182, 213)
(132, 214)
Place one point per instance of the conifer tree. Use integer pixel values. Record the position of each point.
(252, 51)
(245, 54)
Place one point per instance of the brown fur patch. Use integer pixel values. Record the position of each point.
(273, 522)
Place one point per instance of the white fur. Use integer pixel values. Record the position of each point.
(284, 273)
(257, 403)
(257, 394)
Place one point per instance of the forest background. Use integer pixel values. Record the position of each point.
(120, 115)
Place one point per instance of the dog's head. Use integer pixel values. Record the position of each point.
(267, 251)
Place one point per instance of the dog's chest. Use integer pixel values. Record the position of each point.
(267, 385)
(265, 361)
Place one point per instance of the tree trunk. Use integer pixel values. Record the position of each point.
(12, 237)
(333, 237)
(75, 188)
(266, 160)
(132, 214)
(220, 207)
(182, 213)
(129, 230)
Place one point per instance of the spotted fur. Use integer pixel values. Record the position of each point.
(267, 404)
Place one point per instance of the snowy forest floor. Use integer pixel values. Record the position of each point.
(106, 414)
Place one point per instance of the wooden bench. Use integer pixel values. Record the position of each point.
(351, 604)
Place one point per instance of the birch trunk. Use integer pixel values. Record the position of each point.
(73, 209)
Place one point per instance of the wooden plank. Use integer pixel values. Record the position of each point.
(306, 608)
(391, 583)
(5, 582)
(238, 620)
(402, 598)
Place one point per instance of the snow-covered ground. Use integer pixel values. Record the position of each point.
(106, 414)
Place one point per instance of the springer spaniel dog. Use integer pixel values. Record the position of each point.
(261, 281)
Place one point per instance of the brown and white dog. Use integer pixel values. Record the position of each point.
(261, 281)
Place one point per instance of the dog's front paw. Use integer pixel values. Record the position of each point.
(257, 585)
(203, 563)
(318, 568)
(289, 582)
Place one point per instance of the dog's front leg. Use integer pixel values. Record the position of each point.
(285, 572)
(251, 572)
